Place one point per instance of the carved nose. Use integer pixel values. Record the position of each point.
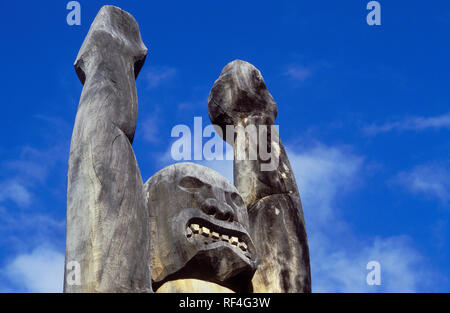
(219, 210)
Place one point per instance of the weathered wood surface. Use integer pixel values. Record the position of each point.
(199, 228)
(240, 97)
(107, 221)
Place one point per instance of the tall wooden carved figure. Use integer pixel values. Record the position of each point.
(244, 112)
(107, 220)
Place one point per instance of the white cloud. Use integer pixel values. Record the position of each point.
(16, 192)
(412, 123)
(298, 73)
(14, 220)
(30, 169)
(42, 270)
(324, 175)
(430, 180)
(158, 75)
(150, 128)
(343, 269)
(193, 104)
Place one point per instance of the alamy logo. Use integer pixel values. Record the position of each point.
(250, 141)
(374, 16)
(74, 16)
(73, 273)
(374, 276)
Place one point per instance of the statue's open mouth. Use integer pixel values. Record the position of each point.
(220, 233)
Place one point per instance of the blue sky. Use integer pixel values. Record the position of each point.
(363, 113)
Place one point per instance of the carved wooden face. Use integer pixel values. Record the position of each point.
(199, 227)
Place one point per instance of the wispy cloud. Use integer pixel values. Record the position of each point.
(150, 127)
(411, 123)
(325, 175)
(192, 105)
(26, 172)
(41, 270)
(343, 269)
(158, 75)
(15, 191)
(40, 224)
(298, 73)
(31, 225)
(28, 168)
(432, 180)
(323, 172)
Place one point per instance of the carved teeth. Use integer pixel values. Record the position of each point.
(243, 246)
(215, 235)
(205, 231)
(195, 228)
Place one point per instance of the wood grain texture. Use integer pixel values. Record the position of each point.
(107, 221)
(186, 194)
(239, 97)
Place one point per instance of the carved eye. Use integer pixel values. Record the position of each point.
(190, 184)
(237, 199)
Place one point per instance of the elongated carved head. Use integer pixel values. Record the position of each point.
(240, 93)
(198, 228)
